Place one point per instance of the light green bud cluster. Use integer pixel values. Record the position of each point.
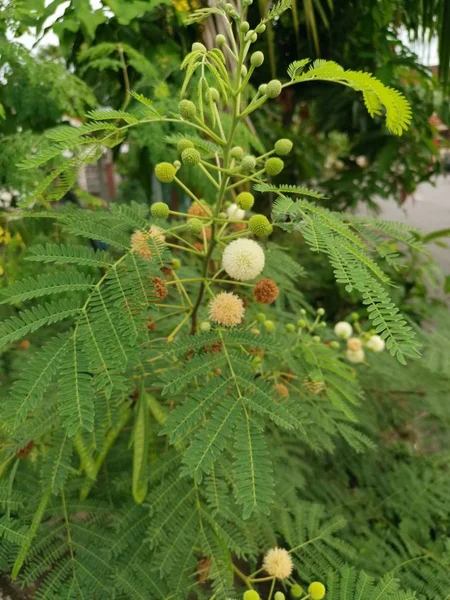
(259, 225)
(263, 89)
(195, 226)
(279, 596)
(198, 47)
(296, 591)
(316, 590)
(244, 26)
(244, 71)
(205, 326)
(290, 327)
(283, 146)
(237, 152)
(260, 317)
(260, 28)
(183, 144)
(165, 172)
(257, 59)
(248, 163)
(213, 94)
(320, 312)
(187, 109)
(176, 264)
(190, 156)
(245, 200)
(221, 40)
(251, 595)
(269, 326)
(274, 166)
(159, 210)
(274, 88)
(176, 164)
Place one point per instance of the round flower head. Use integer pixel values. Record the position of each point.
(244, 26)
(316, 590)
(274, 165)
(198, 47)
(279, 596)
(226, 309)
(260, 226)
(245, 200)
(248, 163)
(355, 356)
(197, 210)
(251, 595)
(213, 94)
(354, 344)
(260, 28)
(237, 152)
(165, 172)
(140, 240)
(190, 156)
(283, 146)
(244, 71)
(257, 59)
(376, 344)
(296, 591)
(221, 40)
(265, 291)
(159, 210)
(160, 290)
(195, 226)
(243, 259)
(278, 563)
(263, 89)
(343, 330)
(235, 213)
(184, 144)
(187, 109)
(274, 88)
(269, 326)
(205, 326)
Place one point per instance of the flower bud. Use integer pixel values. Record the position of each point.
(244, 71)
(283, 146)
(187, 109)
(335, 345)
(257, 59)
(165, 172)
(274, 88)
(260, 28)
(248, 163)
(296, 591)
(213, 94)
(244, 26)
(290, 327)
(190, 156)
(159, 210)
(198, 47)
(263, 89)
(320, 312)
(222, 215)
(253, 37)
(274, 166)
(301, 323)
(237, 152)
(249, 35)
(279, 596)
(221, 40)
(260, 226)
(245, 200)
(205, 326)
(316, 590)
(195, 226)
(251, 595)
(269, 326)
(176, 164)
(183, 144)
(260, 317)
(316, 339)
(176, 264)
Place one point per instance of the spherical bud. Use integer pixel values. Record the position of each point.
(249, 34)
(226, 309)
(235, 213)
(376, 344)
(278, 563)
(213, 94)
(187, 109)
(316, 590)
(296, 591)
(274, 88)
(316, 339)
(265, 291)
(244, 71)
(283, 146)
(301, 323)
(260, 317)
(290, 327)
(221, 40)
(222, 215)
(279, 596)
(159, 210)
(195, 226)
(190, 156)
(205, 326)
(257, 59)
(244, 26)
(355, 356)
(269, 326)
(176, 164)
(229, 7)
(343, 330)
(354, 316)
(263, 89)
(260, 28)
(251, 595)
(198, 47)
(183, 145)
(274, 166)
(253, 37)
(248, 163)
(176, 264)
(260, 226)
(237, 153)
(320, 312)
(335, 345)
(245, 200)
(354, 344)
(243, 259)
(165, 172)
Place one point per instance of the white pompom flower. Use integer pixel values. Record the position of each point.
(355, 356)
(243, 259)
(235, 213)
(376, 344)
(278, 563)
(343, 330)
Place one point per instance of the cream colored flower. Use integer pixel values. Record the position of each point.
(376, 344)
(226, 309)
(355, 356)
(243, 259)
(278, 563)
(354, 344)
(343, 330)
(235, 213)
(140, 238)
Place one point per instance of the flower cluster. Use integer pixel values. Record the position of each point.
(355, 345)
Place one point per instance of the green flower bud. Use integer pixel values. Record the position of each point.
(176, 164)
(237, 152)
(205, 326)
(301, 323)
(290, 327)
(250, 32)
(244, 26)
(222, 215)
(283, 146)
(320, 312)
(187, 109)
(260, 317)
(260, 28)
(257, 59)
(274, 165)
(251, 595)
(221, 40)
(159, 210)
(245, 200)
(354, 316)
(263, 89)
(248, 163)
(296, 591)
(244, 71)
(260, 226)
(253, 37)
(303, 311)
(279, 596)
(195, 226)
(316, 339)
(213, 94)
(269, 326)
(229, 7)
(176, 264)
(335, 345)
(165, 172)
(183, 144)
(274, 88)
(198, 47)
(316, 590)
(190, 156)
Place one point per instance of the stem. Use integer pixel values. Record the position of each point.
(126, 79)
